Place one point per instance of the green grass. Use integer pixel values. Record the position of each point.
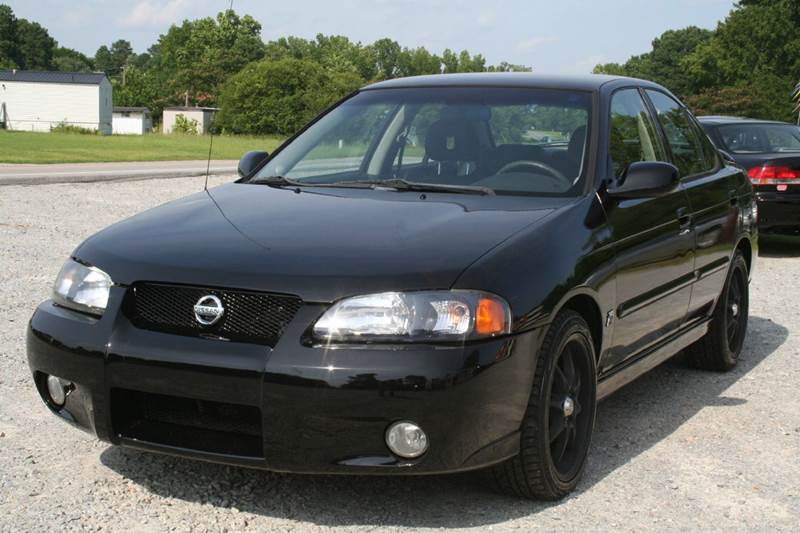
(27, 147)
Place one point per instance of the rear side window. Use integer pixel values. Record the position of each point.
(691, 149)
(760, 138)
(633, 136)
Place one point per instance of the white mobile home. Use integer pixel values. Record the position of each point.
(40, 101)
(203, 116)
(131, 121)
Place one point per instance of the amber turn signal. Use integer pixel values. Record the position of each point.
(491, 317)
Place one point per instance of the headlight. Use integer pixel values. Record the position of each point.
(82, 288)
(415, 317)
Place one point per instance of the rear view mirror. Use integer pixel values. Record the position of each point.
(645, 179)
(250, 162)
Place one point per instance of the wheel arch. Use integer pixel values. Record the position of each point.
(746, 247)
(584, 302)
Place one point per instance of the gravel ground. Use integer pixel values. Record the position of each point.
(677, 450)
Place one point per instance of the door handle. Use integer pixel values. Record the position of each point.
(684, 220)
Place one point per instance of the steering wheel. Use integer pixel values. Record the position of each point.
(552, 173)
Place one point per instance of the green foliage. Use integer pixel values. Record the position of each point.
(188, 126)
(203, 59)
(141, 89)
(760, 97)
(64, 127)
(748, 66)
(69, 60)
(279, 96)
(665, 62)
(9, 53)
(24, 44)
(199, 55)
(35, 46)
(112, 60)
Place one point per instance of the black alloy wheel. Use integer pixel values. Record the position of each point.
(557, 429)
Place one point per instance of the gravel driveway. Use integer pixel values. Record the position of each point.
(678, 449)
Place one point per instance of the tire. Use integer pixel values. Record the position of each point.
(549, 468)
(719, 349)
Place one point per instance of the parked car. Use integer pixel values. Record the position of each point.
(770, 152)
(439, 274)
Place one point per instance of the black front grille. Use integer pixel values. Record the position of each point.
(248, 316)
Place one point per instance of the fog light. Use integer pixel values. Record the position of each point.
(58, 389)
(406, 440)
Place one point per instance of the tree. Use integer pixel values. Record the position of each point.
(69, 60)
(141, 89)
(199, 55)
(386, 53)
(35, 46)
(462, 62)
(509, 67)
(665, 62)
(279, 96)
(9, 53)
(763, 97)
(418, 61)
(113, 60)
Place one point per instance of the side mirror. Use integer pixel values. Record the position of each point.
(250, 162)
(645, 179)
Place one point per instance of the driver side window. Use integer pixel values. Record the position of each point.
(633, 135)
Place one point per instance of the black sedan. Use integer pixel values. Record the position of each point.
(439, 274)
(770, 152)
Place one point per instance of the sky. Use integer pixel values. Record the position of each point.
(552, 36)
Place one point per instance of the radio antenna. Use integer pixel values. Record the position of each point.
(210, 145)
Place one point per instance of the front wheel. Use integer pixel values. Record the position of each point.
(558, 424)
(719, 349)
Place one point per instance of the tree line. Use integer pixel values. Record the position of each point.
(260, 87)
(748, 66)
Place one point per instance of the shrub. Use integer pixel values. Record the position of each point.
(185, 125)
(64, 127)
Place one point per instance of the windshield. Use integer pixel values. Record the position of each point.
(760, 138)
(507, 140)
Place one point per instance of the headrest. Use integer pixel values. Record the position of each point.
(454, 139)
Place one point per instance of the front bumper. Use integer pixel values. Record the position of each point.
(294, 407)
(779, 212)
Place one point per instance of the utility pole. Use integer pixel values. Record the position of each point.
(186, 99)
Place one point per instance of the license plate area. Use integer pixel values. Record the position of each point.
(187, 423)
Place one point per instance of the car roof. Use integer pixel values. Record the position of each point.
(587, 82)
(720, 120)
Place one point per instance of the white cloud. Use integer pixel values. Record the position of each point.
(535, 42)
(156, 12)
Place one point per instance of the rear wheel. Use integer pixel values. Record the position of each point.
(558, 424)
(719, 349)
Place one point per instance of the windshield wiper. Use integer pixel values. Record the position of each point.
(278, 181)
(405, 185)
(394, 183)
(283, 181)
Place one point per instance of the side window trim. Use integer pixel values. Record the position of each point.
(662, 134)
(693, 122)
(660, 137)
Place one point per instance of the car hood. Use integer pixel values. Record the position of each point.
(320, 244)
